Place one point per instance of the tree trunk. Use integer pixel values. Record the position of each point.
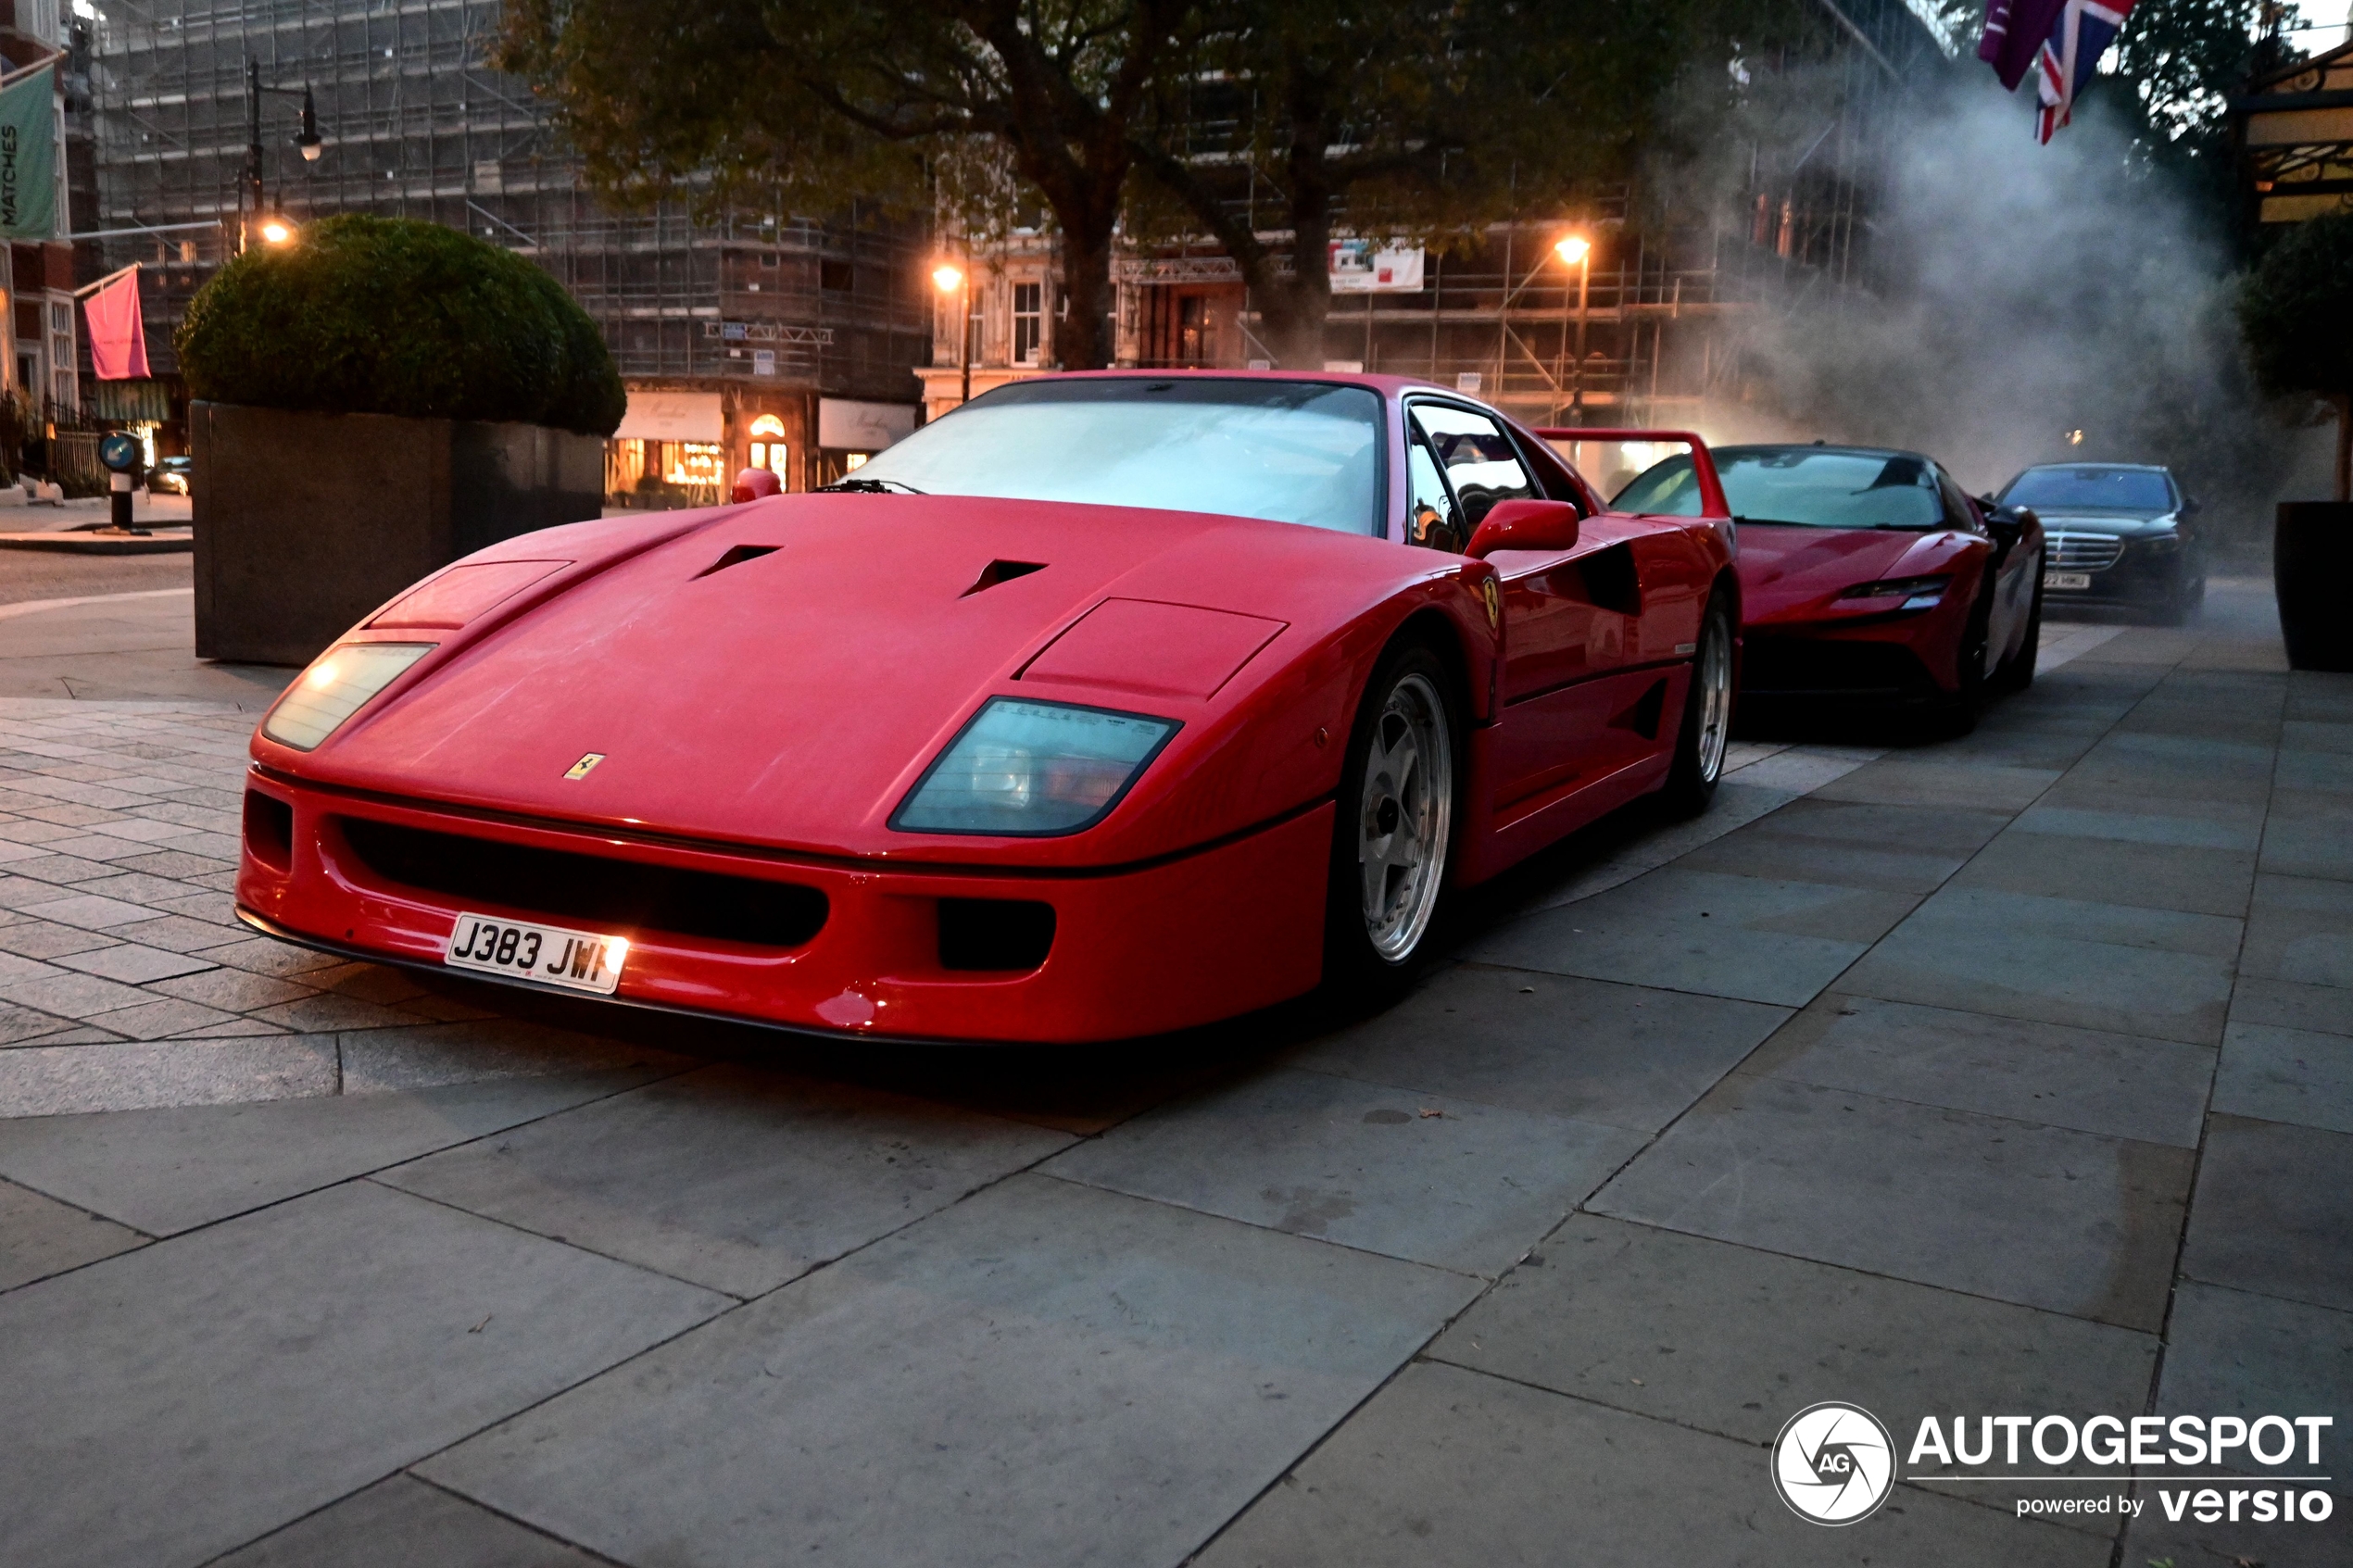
(1297, 330)
(1087, 340)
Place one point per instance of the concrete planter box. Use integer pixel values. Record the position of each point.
(2312, 558)
(306, 522)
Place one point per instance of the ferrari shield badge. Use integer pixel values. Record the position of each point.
(1494, 604)
(580, 770)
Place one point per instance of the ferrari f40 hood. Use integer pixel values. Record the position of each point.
(783, 675)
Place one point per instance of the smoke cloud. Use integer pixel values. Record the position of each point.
(2019, 292)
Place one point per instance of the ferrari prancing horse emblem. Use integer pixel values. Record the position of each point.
(1494, 604)
(580, 770)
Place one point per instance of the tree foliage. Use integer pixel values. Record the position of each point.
(2296, 310)
(365, 315)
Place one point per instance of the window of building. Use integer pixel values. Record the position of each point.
(1029, 322)
(834, 275)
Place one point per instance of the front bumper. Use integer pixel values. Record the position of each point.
(2140, 578)
(1134, 950)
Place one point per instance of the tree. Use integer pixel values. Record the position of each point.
(730, 102)
(2296, 310)
(1423, 118)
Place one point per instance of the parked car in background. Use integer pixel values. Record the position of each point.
(1105, 704)
(172, 476)
(2121, 536)
(1868, 575)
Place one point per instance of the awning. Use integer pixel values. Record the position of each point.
(672, 416)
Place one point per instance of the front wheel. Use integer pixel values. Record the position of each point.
(1393, 840)
(1708, 716)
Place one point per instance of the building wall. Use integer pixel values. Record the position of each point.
(416, 125)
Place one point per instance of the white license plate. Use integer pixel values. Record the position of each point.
(579, 961)
(2066, 579)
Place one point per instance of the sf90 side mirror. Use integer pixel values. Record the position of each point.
(1524, 525)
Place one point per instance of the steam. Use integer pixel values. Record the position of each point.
(2023, 291)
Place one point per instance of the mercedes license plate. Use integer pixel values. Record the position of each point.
(579, 961)
(2064, 580)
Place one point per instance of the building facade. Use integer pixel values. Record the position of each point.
(41, 361)
(737, 339)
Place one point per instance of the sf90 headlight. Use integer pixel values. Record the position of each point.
(1918, 593)
(335, 687)
(1033, 768)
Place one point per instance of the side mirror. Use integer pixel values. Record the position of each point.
(1524, 525)
(2192, 506)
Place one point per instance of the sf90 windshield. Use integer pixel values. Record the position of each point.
(1806, 486)
(1298, 452)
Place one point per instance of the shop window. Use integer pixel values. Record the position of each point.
(1029, 321)
(770, 455)
(691, 462)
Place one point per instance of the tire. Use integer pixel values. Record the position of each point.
(1400, 797)
(1708, 716)
(2018, 670)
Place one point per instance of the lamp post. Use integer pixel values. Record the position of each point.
(308, 141)
(951, 279)
(1576, 250)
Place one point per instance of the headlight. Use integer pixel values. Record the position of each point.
(2156, 543)
(1033, 768)
(1920, 593)
(333, 688)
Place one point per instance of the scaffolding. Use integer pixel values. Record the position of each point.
(417, 125)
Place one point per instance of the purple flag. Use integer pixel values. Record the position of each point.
(2014, 33)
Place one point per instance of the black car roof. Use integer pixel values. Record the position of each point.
(1823, 447)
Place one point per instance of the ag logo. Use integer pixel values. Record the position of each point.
(1833, 1464)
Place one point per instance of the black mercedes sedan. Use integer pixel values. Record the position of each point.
(2121, 536)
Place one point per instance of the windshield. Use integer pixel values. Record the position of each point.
(1289, 451)
(2114, 490)
(1810, 486)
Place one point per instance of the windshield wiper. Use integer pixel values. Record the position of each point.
(1774, 521)
(869, 487)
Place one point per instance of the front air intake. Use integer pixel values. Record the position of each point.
(593, 891)
(1001, 935)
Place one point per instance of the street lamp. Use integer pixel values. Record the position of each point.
(951, 279)
(1576, 250)
(308, 141)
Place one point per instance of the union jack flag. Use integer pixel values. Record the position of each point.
(2080, 35)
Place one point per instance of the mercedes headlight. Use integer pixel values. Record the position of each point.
(1918, 593)
(1033, 768)
(335, 687)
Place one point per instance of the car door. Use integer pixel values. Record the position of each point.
(2014, 572)
(1571, 618)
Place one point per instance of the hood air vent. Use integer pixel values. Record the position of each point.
(737, 554)
(998, 572)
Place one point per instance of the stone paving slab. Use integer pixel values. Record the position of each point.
(1727, 1339)
(1141, 1371)
(2157, 972)
(40, 1237)
(1738, 936)
(2274, 1074)
(168, 1171)
(2273, 1211)
(2039, 1215)
(735, 1179)
(1449, 1466)
(1622, 1056)
(403, 1523)
(1433, 1180)
(261, 1369)
(2088, 1080)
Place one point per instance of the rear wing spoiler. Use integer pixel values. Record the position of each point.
(1711, 488)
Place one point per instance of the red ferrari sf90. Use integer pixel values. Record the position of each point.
(1104, 705)
(1868, 576)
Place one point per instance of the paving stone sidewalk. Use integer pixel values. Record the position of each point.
(2008, 1074)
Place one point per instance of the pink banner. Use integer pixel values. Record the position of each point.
(118, 335)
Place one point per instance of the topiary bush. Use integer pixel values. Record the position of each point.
(366, 315)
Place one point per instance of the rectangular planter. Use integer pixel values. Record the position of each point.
(305, 524)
